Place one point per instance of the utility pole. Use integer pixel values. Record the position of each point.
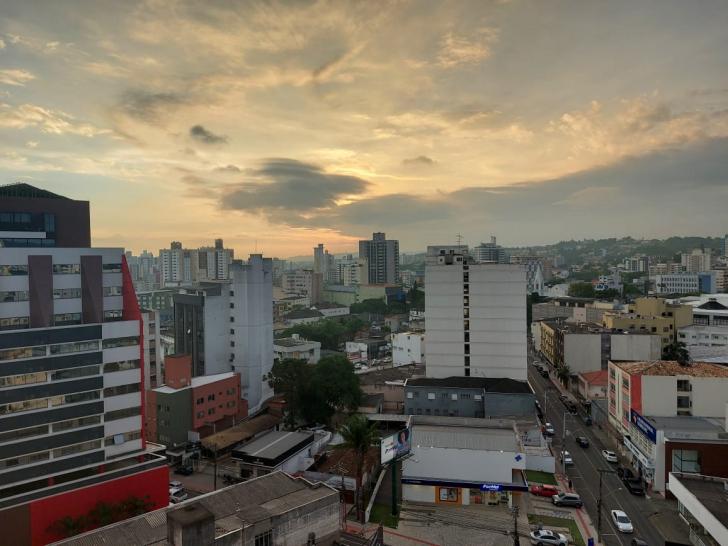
(516, 538)
(215, 455)
(602, 471)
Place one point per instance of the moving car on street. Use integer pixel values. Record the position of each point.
(544, 490)
(544, 373)
(622, 521)
(610, 456)
(549, 428)
(583, 442)
(543, 538)
(566, 458)
(567, 499)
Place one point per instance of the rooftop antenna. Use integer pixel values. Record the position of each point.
(460, 239)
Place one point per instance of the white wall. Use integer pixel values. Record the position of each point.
(497, 315)
(540, 463)
(583, 352)
(639, 347)
(407, 348)
(659, 396)
(709, 396)
(716, 529)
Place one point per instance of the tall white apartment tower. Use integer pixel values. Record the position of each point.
(476, 316)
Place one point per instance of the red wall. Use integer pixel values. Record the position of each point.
(712, 459)
(44, 512)
(219, 389)
(132, 311)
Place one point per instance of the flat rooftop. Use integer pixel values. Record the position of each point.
(398, 373)
(687, 423)
(671, 367)
(711, 492)
(235, 507)
(274, 444)
(494, 385)
(197, 382)
(290, 342)
(464, 437)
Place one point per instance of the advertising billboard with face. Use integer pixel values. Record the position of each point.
(396, 445)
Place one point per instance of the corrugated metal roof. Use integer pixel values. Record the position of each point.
(481, 439)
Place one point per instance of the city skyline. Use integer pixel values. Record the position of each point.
(278, 126)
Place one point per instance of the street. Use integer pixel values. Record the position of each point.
(587, 464)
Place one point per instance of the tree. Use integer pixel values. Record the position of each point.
(581, 290)
(532, 299)
(396, 308)
(68, 526)
(134, 506)
(334, 386)
(416, 297)
(291, 377)
(104, 513)
(608, 293)
(359, 436)
(677, 351)
(563, 373)
(631, 289)
(373, 305)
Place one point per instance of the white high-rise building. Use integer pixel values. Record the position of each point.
(476, 316)
(534, 271)
(697, 260)
(228, 327)
(180, 266)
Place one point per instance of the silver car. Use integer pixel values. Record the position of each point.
(542, 538)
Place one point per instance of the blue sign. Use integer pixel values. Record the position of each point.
(490, 487)
(644, 426)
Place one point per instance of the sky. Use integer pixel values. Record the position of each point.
(278, 125)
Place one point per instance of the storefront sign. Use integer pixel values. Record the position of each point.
(643, 426)
(491, 487)
(648, 463)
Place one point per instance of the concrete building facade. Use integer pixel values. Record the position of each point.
(533, 266)
(490, 252)
(229, 327)
(654, 315)
(476, 317)
(684, 282)
(179, 266)
(408, 348)
(382, 257)
(304, 281)
(297, 348)
(696, 260)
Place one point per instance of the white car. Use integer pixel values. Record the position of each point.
(536, 363)
(549, 429)
(176, 485)
(623, 523)
(566, 458)
(175, 496)
(610, 456)
(542, 538)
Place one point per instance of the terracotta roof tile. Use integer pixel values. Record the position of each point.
(671, 367)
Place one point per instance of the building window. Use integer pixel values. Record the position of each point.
(123, 413)
(464, 396)
(67, 319)
(430, 395)
(232, 306)
(478, 397)
(211, 398)
(121, 342)
(114, 315)
(200, 414)
(74, 373)
(231, 404)
(200, 401)
(66, 269)
(122, 366)
(112, 268)
(454, 397)
(264, 539)
(419, 411)
(17, 295)
(427, 411)
(211, 411)
(121, 389)
(231, 391)
(164, 423)
(232, 344)
(78, 448)
(466, 325)
(24, 433)
(49, 223)
(455, 413)
(625, 384)
(611, 373)
(112, 291)
(410, 395)
(417, 394)
(444, 395)
(437, 411)
(66, 293)
(164, 438)
(612, 388)
(12, 270)
(122, 438)
(232, 332)
(24, 460)
(25, 405)
(686, 460)
(75, 398)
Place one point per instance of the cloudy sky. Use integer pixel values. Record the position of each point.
(289, 123)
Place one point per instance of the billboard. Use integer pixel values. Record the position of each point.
(644, 426)
(397, 445)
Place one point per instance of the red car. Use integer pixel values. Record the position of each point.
(544, 490)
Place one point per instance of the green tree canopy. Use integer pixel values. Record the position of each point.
(581, 290)
(416, 297)
(334, 386)
(291, 377)
(374, 305)
(677, 351)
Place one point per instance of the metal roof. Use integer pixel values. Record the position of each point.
(478, 439)
(274, 444)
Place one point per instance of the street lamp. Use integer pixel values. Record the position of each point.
(602, 471)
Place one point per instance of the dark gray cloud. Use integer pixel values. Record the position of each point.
(229, 169)
(421, 160)
(284, 188)
(200, 134)
(151, 108)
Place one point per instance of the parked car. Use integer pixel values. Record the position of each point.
(637, 542)
(634, 487)
(176, 485)
(544, 490)
(567, 499)
(185, 470)
(563, 398)
(625, 474)
(536, 363)
(544, 373)
(566, 458)
(175, 496)
(583, 442)
(610, 456)
(622, 521)
(542, 538)
(572, 408)
(548, 427)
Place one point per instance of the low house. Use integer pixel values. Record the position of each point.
(329, 309)
(593, 384)
(305, 316)
(371, 403)
(279, 450)
(298, 348)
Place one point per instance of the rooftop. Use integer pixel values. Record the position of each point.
(235, 507)
(678, 422)
(20, 189)
(595, 378)
(671, 367)
(496, 385)
(329, 305)
(398, 373)
(711, 492)
(464, 437)
(291, 342)
(343, 461)
(241, 432)
(371, 400)
(274, 444)
(197, 382)
(304, 313)
(340, 288)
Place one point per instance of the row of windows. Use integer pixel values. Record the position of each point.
(453, 413)
(79, 347)
(78, 448)
(122, 366)
(23, 433)
(40, 430)
(25, 243)
(77, 423)
(452, 396)
(122, 413)
(15, 323)
(24, 460)
(66, 293)
(121, 389)
(121, 342)
(42, 377)
(58, 294)
(17, 295)
(122, 438)
(67, 319)
(58, 269)
(15, 217)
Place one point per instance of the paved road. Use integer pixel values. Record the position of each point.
(587, 463)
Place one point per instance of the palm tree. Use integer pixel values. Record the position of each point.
(677, 351)
(359, 436)
(563, 373)
(104, 513)
(68, 526)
